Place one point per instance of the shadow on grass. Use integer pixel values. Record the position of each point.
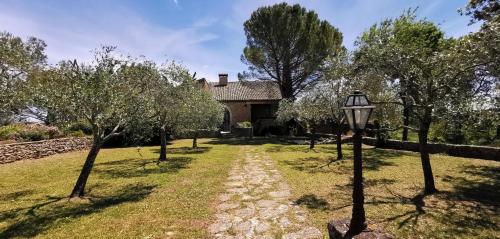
(245, 141)
(184, 150)
(16, 195)
(129, 168)
(485, 190)
(315, 165)
(301, 148)
(48, 212)
(373, 159)
(313, 202)
(472, 204)
(346, 189)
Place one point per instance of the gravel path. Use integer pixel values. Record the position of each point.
(257, 203)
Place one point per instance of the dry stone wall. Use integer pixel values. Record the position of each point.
(39, 149)
(466, 151)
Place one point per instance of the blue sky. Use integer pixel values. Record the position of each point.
(206, 36)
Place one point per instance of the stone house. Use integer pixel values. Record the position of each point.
(253, 101)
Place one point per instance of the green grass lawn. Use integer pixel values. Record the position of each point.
(129, 195)
(465, 207)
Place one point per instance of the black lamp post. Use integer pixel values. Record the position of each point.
(357, 109)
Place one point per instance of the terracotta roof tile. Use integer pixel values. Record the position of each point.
(246, 91)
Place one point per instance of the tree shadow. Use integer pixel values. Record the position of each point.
(377, 182)
(367, 183)
(245, 141)
(313, 202)
(32, 220)
(412, 215)
(129, 168)
(484, 190)
(16, 195)
(314, 165)
(372, 160)
(301, 148)
(375, 159)
(473, 203)
(184, 150)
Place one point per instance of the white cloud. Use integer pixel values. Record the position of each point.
(73, 33)
(205, 22)
(77, 35)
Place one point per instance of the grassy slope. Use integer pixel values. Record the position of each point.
(465, 207)
(130, 196)
(133, 198)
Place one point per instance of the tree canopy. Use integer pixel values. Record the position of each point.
(202, 113)
(426, 70)
(18, 59)
(105, 93)
(289, 44)
(483, 10)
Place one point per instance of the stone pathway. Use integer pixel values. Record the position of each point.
(257, 203)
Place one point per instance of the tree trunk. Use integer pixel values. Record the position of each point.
(497, 136)
(337, 129)
(424, 157)
(286, 81)
(376, 126)
(313, 138)
(78, 190)
(358, 219)
(406, 122)
(195, 140)
(163, 144)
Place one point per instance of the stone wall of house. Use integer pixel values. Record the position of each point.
(242, 111)
(466, 151)
(39, 149)
(239, 111)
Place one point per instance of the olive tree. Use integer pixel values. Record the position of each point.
(168, 96)
(201, 112)
(426, 69)
(104, 93)
(323, 101)
(332, 90)
(309, 109)
(19, 60)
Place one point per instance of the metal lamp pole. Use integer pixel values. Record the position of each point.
(358, 110)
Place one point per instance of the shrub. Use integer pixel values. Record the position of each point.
(82, 126)
(244, 124)
(10, 132)
(29, 132)
(33, 135)
(78, 133)
(54, 132)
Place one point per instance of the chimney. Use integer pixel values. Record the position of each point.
(222, 79)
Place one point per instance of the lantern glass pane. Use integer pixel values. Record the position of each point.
(363, 100)
(348, 113)
(350, 101)
(356, 101)
(362, 117)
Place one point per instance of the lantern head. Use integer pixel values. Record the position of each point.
(357, 109)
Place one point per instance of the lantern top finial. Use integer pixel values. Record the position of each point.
(358, 92)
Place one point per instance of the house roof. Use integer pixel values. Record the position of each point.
(245, 91)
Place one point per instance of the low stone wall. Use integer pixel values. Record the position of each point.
(39, 149)
(466, 151)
